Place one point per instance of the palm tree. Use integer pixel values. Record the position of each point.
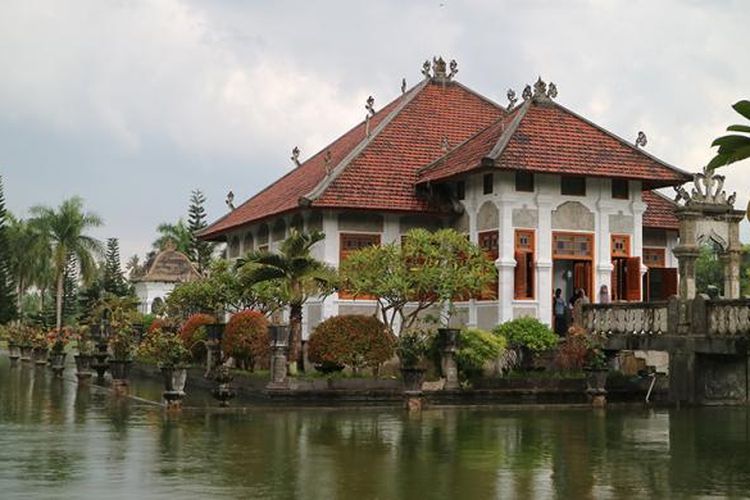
(29, 256)
(179, 234)
(733, 147)
(65, 228)
(297, 275)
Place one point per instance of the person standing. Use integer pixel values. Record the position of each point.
(561, 313)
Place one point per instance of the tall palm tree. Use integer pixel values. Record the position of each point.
(297, 275)
(178, 233)
(29, 255)
(733, 147)
(65, 228)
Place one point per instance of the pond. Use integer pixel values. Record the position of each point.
(59, 440)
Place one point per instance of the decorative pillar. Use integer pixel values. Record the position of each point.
(448, 346)
(279, 348)
(544, 290)
(686, 257)
(506, 263)
(731, 261)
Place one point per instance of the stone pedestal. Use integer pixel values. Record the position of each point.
(449, 338)
(279, 350)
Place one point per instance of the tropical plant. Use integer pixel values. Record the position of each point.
(165, 349)
(178, 234)
(65, 228)
(733, 147)
(413, 346)
(8, 302)
(295, 275)
(424, 270)
(246, 338)
(356, 341)
(527, 332)
(58, 339)
(84, 342)
(113, 280)
(193, 333)
(30, 259)
(122, 343)
(477, 348)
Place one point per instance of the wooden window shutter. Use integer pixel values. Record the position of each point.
(669, 278)
(521, 277)
(633, 279)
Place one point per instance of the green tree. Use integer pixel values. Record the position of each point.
(200, 251)
(8, 304)
(113, 280)
(65, 228)
(733, 147)
(296, 275)
(179, 234)
(709, 272)
(424, 270)
(70, 291)
(30, 258)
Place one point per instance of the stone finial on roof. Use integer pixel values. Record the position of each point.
(445, 145)
(552, 90)
(295, 156)
(327, 160)
(541, 91)
(641, 140)
(426, 68)
(453, 65)
(403, 85)
(512, 99)
(438, 68)
(708, 190)
(230, 200)
(526, 94)
(370, 105)
(169, 245)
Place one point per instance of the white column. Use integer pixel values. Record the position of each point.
(638, 208)
(543, 250)
(603, 243)
(331, 256)
(506, 262)
(471, 212)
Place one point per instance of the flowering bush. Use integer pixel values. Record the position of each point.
(38, 340)
(122, 343)
(84, 342)
(356, 341)
(159, 324)
(246, 338)
(58, 339)
(164, 348)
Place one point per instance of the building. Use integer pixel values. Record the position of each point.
(162, 273)
(555, 200)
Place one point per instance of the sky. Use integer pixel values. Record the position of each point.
(131, 104)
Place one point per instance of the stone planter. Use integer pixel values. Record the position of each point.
(40, 356)
(120, 369)
(448, 341)
(223, 392)
(83, 366)
(26, 353)
(596, 381)
(175, 379)
(279, 349)
(58, 363)
(413, 378)
(99, 360)
(214, 334)
(14, 353)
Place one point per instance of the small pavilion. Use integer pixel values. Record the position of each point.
(164, 271)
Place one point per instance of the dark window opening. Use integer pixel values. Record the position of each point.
(573, 186)
(460, 190)
(524, 181)
(620, 189)
(488, 183)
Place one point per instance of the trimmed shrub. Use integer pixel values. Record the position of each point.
(477, 348)
(193, 334)
(527, 332)
(246, 338)
(571, 356)
(356, 341)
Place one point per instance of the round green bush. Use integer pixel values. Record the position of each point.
(353, 340)
(476, 348)
(527, 332)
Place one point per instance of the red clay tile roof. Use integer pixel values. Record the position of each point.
(546, 137)
(379, 172)
(660, 212)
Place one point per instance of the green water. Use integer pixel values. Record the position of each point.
(58, 440)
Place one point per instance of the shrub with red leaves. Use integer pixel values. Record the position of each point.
(193, 334)
(246, 338)
(352, 340)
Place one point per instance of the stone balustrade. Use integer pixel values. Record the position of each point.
(728, 317)
(627, 318)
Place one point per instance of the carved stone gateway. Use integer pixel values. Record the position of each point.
(707, 216)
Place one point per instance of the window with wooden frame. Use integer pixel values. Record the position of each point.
(351, 242)
(654, 257)
(620, 245)
(488, 183)
(489, 242)
(524, 181)
(572, 246)
(620, 189)
(524, 272)
(573, 185)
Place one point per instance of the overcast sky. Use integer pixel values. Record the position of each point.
(131, 104)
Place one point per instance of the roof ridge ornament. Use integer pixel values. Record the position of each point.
(527, 94)
(295, 156)
(512, 99)
(403, 85)
(542, 92)
(426, 69)
(370, 107)
(708, 190)
(327, 161)
(230, 200)
(440, 69)
(641, 140)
